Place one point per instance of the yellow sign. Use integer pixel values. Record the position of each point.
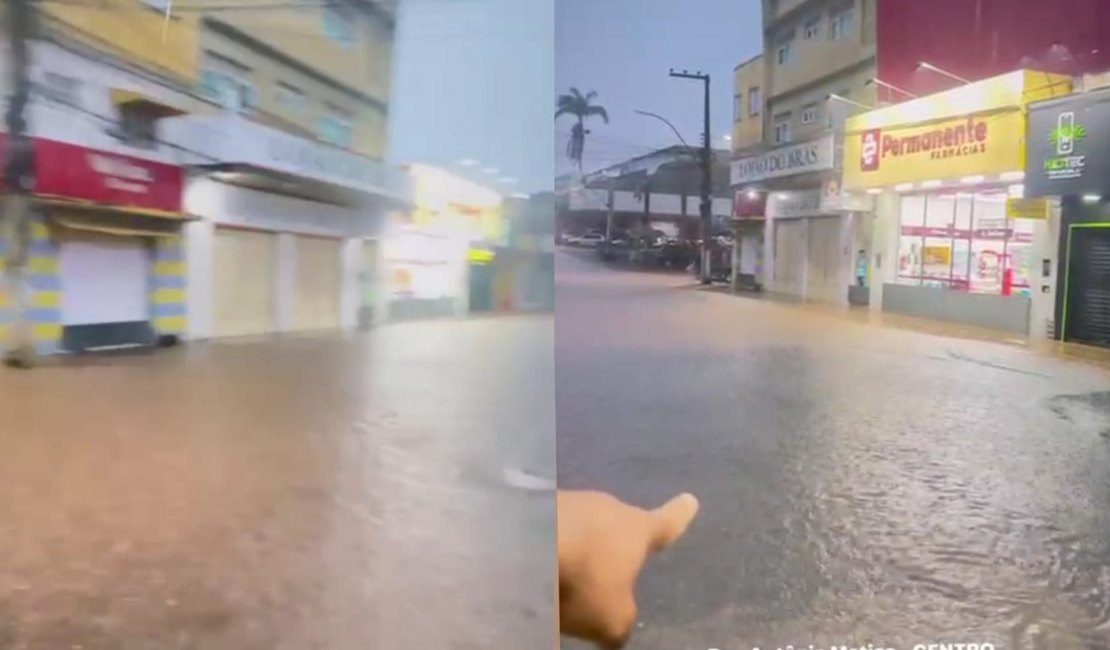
(1027, 208)
(965, 146)
(937, 255)
(975, 129)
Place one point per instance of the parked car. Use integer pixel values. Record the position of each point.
(591, 240)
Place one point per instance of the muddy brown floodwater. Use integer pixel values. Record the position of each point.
(311, 492)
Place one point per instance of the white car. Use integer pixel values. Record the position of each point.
(591, 240)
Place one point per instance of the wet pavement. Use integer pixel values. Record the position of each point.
(858, 483)
(315, 492)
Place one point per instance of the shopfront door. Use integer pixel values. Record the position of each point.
(790, 256)
(1087, 303)
(318, 280)
(105, 301)
(245, 271)
(824, 280)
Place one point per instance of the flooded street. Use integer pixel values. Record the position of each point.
(311, 492)
(858, 484)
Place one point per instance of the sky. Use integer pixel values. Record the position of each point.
(472, 81)
(623, 50)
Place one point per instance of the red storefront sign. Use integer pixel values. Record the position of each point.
(748, 204)
(74, 172)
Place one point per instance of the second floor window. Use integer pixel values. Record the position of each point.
(291, 99)
(737, 107)
(840, 24)
(138, 126)
(812, 28)
(339, 24)
(755, 101)
(227, 83)
(782, 128)
(785, 53)
(809, 113)
(334, 127)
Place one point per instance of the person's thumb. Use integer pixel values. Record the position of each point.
(670, 520)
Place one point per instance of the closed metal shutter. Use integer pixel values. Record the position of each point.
(1088, 299)
(245, 271)
(824, 281)
(318, 280)
(790, 256)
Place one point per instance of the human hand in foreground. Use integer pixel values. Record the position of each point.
(603, 543)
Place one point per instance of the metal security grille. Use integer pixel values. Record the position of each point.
(1088, 300)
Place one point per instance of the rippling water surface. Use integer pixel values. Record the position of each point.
(859, 484)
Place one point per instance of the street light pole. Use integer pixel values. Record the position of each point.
(706, 177)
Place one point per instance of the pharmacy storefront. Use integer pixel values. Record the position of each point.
(797, 244)
(952, 238)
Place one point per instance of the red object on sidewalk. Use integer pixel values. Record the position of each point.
(1007, 282)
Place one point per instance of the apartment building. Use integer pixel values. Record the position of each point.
(819, 59)
(321, 71)
(748, 84)
(288, 177)
(206, 170)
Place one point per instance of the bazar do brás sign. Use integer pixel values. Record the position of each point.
(786, 161)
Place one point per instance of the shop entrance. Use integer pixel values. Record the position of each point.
(244, 268)
(104, 298)
(316, 285)
(1087, 303)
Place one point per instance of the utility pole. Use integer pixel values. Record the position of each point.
(706, 178)
(19, 168)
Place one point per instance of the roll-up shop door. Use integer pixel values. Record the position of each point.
(316, 297)
(104, 290)
(245, 274)
(1088, 299)
(790, 253)
(823, 280)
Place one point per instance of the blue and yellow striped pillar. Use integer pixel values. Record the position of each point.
(45, 305)
(167, 286)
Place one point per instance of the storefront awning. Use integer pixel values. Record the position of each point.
(125, 97)
(232, 144)
(110, 220)
(88, 206)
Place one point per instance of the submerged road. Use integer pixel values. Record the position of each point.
(310, 492)
(859, 484)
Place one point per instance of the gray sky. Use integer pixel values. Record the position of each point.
(472, 79)
(623, 49)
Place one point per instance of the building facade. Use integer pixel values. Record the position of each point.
(819, 57)
(950, 241)
(1068, 165)
(749, 81)
(204, 174)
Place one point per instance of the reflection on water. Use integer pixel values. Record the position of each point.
(858, 484)
(320, 492)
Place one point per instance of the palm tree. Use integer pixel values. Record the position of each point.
(578, 106)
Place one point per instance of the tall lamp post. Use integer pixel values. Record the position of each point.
(706, 176)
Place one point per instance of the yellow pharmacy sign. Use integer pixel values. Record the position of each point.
(975, 129)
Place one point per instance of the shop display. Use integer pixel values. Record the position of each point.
(963, 241)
